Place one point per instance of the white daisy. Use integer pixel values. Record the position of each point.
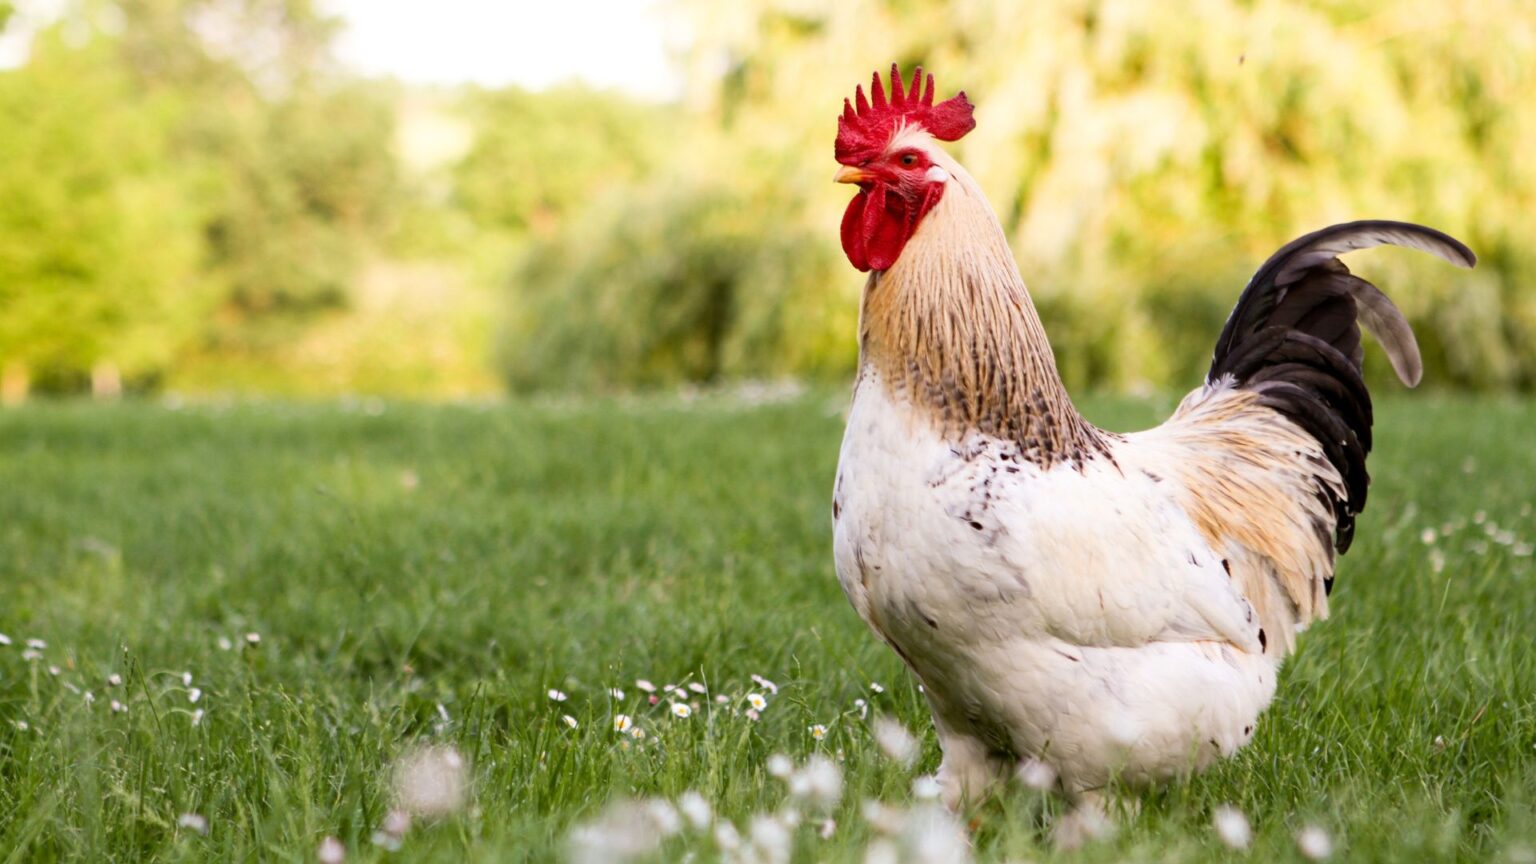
(757, 701)
(818, 731)
(569, 720)
(622, 723)
(681, 711)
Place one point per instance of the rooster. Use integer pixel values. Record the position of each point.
(1110, 605)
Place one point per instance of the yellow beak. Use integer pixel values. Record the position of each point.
(849, 174)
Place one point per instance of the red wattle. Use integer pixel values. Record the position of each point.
(852, 231)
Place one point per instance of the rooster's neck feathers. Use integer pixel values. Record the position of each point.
(952, 327)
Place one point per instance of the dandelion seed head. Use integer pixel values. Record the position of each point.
(932, 833)
(770, 839)
(1314, 843)
(695, 809)
(1232, 826)
(895, 741)
(926, 788)
(430, 781)
(819, 783)
(780, 766)
(624, 831)
(1037, 775)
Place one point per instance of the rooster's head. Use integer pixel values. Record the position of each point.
(886, 147)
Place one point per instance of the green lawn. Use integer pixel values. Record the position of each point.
(423, 574)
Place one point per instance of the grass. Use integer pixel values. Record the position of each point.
(397, 558)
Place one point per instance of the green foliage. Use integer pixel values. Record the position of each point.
(394, 558)
(1143, 167)
(675, 282)
(188, 176)
(99, 242)
(537, 158)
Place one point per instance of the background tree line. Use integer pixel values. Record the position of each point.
(194, 194)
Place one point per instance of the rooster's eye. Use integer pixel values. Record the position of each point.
(909, 159)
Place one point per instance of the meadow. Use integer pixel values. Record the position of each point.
(224, 622)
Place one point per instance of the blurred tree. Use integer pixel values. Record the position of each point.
(537, 158)
(99, 241)
(1142, 166)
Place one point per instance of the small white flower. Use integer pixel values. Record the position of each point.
(119, 707)
(780, 766)
(827, 829)
(752, 714)
(186, 679)
(668, 688)
(757, 701)
(89, 697)
(4, 639)
(926, 787)
(818, 731)
(721, 699)
(1479, 517)
(192, 821)
(697, 687)
(197, 717)
(770, 838)
(637, 733)
(331, 852)
(568, 720)
(1314, 843)
(36, 644)
(622, 723)
(645, 685)
(766, 684)
(616, 693)
(695, 809)
(54, 671)
(253, 638)
(31, 654)
(681, 711)
(895, 741)
(557, 696)
(863, 708)
(114, 680)
(225, 644)
(194, 694)
(875, 687)
(1232, 826)
(22, 725)
(386, 841)
(1428, 536)
(1037, 775)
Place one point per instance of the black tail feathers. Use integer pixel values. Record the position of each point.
(1294, 338)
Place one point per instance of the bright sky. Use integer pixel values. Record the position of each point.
(534, 43)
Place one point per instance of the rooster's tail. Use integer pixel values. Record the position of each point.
(1294, 338)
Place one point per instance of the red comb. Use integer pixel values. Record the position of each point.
(863, 132)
